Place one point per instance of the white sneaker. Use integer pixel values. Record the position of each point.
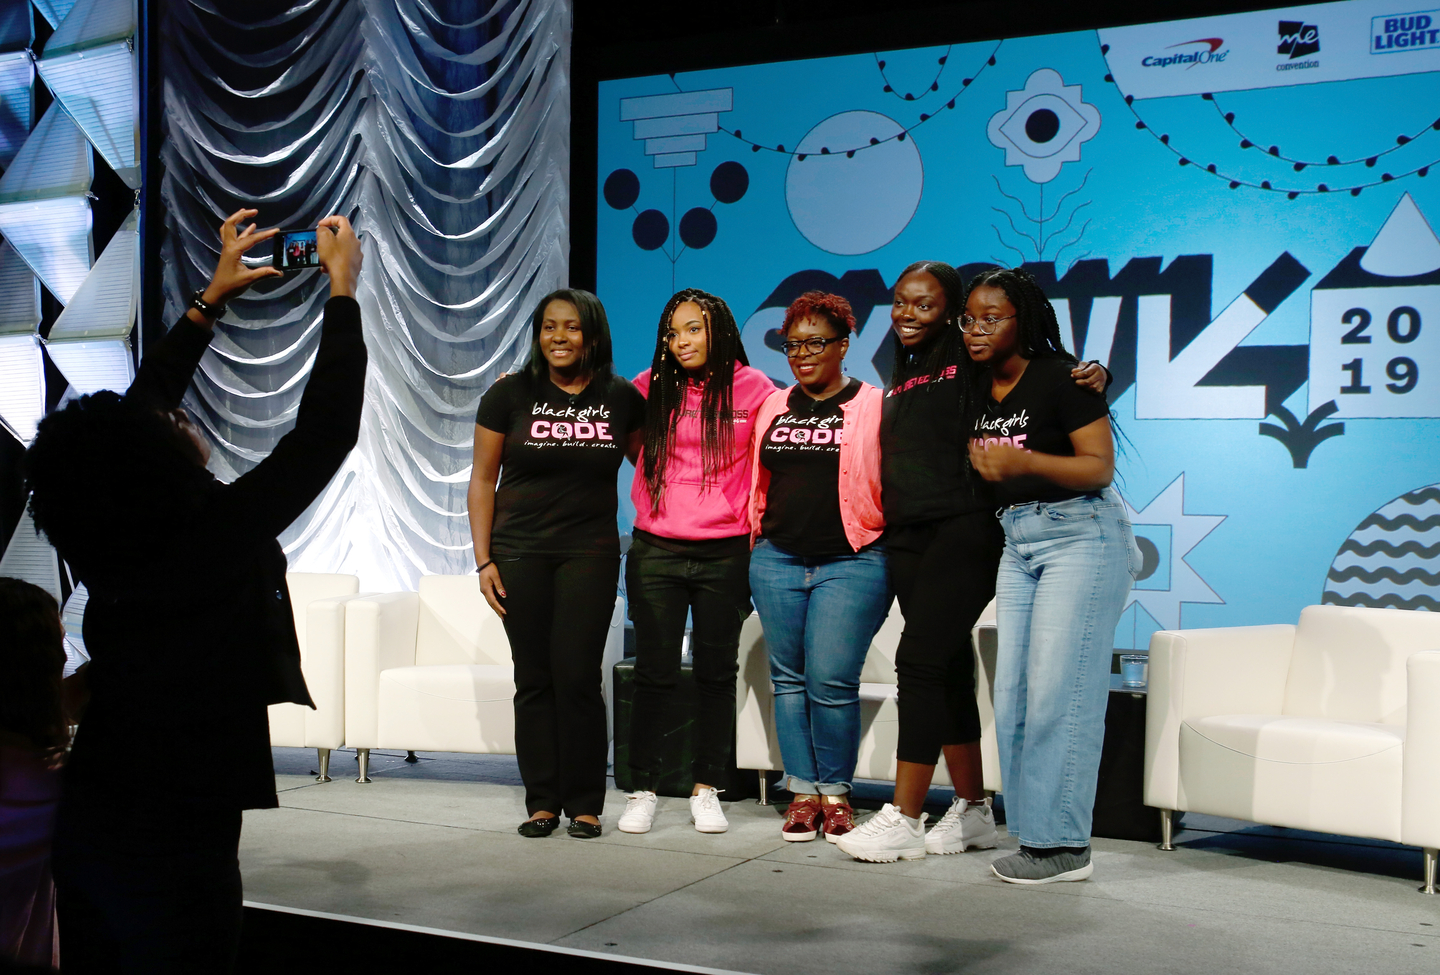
(705, 812)
(639, 812)
(886, 837)
(965, 825)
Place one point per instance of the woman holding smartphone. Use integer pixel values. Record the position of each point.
(548, 550)
(691, 550)
(1070, 558)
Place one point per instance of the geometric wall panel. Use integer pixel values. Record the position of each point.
(54, 11)
(19, 293)
(22, 385)
(91, 66)
(90, 366)
(44, 211)
(30, 557)
(17, 102)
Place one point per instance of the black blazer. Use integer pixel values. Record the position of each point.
(188, 651)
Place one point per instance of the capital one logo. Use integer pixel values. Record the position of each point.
(1298, 39)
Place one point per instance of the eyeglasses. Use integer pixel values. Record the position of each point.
(794, 350)
(981, 326)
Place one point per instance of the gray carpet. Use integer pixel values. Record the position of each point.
(434, 844)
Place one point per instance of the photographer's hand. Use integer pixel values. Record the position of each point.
(232, 278)
(340, 256)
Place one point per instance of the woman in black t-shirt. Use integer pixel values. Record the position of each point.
(548, 547)
(944, 546)
(1069, 561)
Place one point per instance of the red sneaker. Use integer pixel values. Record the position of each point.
(839, 820)
(801, 821)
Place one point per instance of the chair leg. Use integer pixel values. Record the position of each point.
(1431, 856)
(1167, 830)
(410, 757)
(363, 755)
(324, 755)
(764, 799)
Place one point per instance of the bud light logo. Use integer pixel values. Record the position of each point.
(1404, 32)
(1298, 39)
(1204, 50)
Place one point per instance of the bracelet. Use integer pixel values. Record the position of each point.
(198, 302)
(482, 567)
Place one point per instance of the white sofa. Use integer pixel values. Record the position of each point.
(1332, 725)
(318, 601)
(756, 746)
(431, 671)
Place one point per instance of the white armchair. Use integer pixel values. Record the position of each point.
(431, 671)
(318, 601)
(1332, 725)
(756, 745)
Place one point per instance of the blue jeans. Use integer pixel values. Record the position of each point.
(819, 616)
(1067, 568)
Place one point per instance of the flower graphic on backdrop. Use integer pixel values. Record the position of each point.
(1043, 125)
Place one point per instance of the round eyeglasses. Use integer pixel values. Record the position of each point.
(794, 350)
(981, 326)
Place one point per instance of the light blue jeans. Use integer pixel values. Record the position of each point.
(1064, 576)
(819, 616)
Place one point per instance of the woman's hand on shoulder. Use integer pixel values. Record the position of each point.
(1091, 376)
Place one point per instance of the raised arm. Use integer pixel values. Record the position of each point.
(165, 373)
(480, 502)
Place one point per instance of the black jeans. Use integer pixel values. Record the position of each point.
(147, 888)
(557, 616)
(944, 574)
(662, 587)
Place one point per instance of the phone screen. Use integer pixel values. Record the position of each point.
(295, 249)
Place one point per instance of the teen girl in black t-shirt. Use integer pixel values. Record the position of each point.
(548, 548)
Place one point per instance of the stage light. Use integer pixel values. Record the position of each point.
(32, 558)
(44, 208)
(674, 127)
(90, 65)
(89, 342)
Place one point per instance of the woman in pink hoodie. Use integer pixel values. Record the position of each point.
(691, 550)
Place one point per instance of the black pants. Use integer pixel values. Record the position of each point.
(557, 616)
(147, 888)
(663, 586)
(944, 575)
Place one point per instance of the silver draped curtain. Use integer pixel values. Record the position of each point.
(442, 130)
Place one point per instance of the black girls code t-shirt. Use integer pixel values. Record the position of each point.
(1038, 414)
(923, 439)
(801, 450)
(557, 492)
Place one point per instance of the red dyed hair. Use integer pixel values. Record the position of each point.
(833, 308)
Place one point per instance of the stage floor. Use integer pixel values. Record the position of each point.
(434, 844)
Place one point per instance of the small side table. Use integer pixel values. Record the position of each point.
(1120, 810)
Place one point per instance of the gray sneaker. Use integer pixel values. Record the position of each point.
(1027, 868)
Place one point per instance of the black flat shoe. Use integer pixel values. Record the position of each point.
(582, 830)
(535, 828)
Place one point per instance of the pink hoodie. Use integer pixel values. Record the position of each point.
(859, 486)
(689, 509)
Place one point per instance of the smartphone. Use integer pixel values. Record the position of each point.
(296, 250)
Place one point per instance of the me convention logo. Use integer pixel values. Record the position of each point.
(1396, 33)
(1204, 50)
(1297, 39)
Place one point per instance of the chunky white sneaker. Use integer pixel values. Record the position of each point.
(965, 826)
(705, 812)
(885, 837)
(639, 812)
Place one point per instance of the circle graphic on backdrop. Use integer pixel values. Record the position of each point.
(1392, 558)
(729, 182)
(697, 228)
(650, 230)
(622, 189)
(854, 204)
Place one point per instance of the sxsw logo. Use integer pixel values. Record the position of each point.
(1298, 39)
(1395, 33)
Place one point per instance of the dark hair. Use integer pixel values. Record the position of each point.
(110, 478)
(596, 357)
(817, 304)
(1039, 331)
(668, 383)
(32, 663)
(947, 348)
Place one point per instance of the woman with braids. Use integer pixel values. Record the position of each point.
(944, 547)
(818, 568)
(553, 435)
(691, 549)
(1070, 558)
